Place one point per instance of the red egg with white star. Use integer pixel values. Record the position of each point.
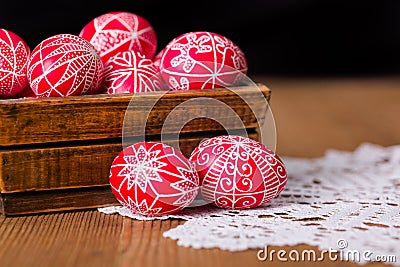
(130, 72)
(153, 179)
(202, 60)
(64, 65)
(118, 31)
(14, 55)
(238, 172)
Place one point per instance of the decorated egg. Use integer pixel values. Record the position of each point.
(26, 93)
(130, 72)
(157, 59)
(202, 60)
(158, 56)
(64, 65)
(238, 172)
(14, 55)
(117, 31)
(153, 179)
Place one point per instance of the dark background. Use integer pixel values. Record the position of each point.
(279, 37)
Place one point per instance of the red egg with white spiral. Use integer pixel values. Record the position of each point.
(238, 172)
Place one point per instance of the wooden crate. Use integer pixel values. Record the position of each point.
(55, 153)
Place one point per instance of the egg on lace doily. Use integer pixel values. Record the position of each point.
(153, 179)
(238, 172)
(14, 55)
(64, 65)
(130, 72)
(157, 58)
(202, 60)
(118, 31)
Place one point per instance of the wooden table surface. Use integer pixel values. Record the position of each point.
(311, 115)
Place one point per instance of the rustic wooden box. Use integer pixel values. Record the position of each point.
(55, 153)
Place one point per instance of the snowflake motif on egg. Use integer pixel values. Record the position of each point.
(142, 207)
(238, 172)
(153, 179)
(14, 55)
(142, 168)
(130, 72)
(64, 65)
(115, 32)
(207, 60)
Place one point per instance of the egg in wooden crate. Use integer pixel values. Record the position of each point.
(119, 31)
(14, 55)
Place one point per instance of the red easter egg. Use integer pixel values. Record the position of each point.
(153, 179)
(26, 93)
(158, 56)
(237, 172)
(130, 72)
(64, 65)
(115, 32)
(157, 59)
(202, 60)
(14, 55)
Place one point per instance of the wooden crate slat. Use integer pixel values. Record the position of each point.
(51, 168)
(56, 200)
(33, 121)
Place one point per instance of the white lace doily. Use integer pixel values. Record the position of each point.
(344, 201)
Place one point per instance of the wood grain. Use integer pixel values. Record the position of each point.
(32, 121)
(56, 200)
(90, 238)
(62, 239)
(56, 168)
